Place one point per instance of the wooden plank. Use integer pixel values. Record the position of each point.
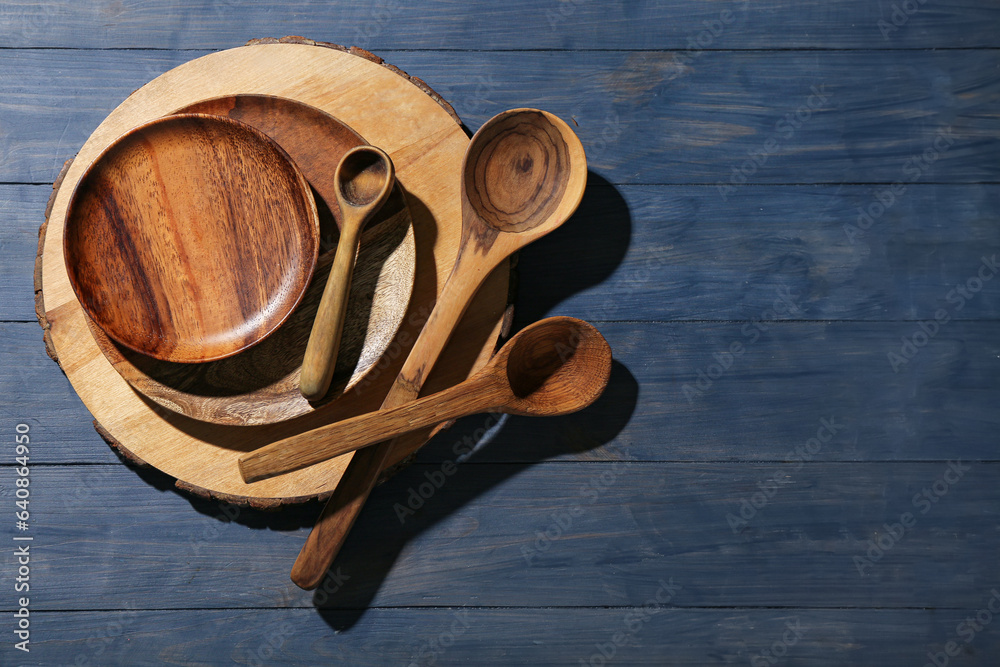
(653, 636)
(660, 407)
(528, 535)
(22, 209)
(35, 392)
(642, 117)
(39, 132)
(520, 24)
(678, 392)
(683, 252)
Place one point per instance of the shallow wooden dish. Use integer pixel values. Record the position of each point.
(260, 385)
(191, 238)
(426, 141)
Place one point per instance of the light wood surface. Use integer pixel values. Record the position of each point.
(522, 176)
(191, 238)
(426, 144)
(555, 366)
(363, 181)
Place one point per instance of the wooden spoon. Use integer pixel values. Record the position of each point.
(522, 177)
(364, 179)
(554, 367)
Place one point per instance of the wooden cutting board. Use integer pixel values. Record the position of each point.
(390, 109)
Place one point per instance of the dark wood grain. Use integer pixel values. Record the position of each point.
(685, 253)
(771, 400)
(521, 24)
(647, 636)
(630, 250)
(191, 238)
(479, 539)
(641, 116)
(669, 111)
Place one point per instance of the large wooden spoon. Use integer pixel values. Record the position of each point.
(363, 181)
(554, 367)
(523, 175)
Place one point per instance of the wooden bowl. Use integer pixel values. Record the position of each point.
(261, 385)
(191, 238)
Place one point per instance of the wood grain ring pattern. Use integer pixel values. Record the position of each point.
(426, 143)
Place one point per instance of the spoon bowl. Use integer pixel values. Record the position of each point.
(553, 367)
(364, 176)
(518, 172)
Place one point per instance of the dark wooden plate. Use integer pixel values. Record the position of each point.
(191, 238)
(260, 385)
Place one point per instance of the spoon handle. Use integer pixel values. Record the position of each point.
(477, 394)
(324, 340)
(333, 525)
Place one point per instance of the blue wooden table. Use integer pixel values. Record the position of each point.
(790, 239)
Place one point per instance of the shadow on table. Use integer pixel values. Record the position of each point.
(388, 524)
(581, 254)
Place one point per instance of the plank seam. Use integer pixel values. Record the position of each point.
(678, 48)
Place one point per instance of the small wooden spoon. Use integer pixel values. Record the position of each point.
(363, 180)
(554, 367)
(523, 176)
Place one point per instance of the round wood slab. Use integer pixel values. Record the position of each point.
(261, 385)
(391, 110)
